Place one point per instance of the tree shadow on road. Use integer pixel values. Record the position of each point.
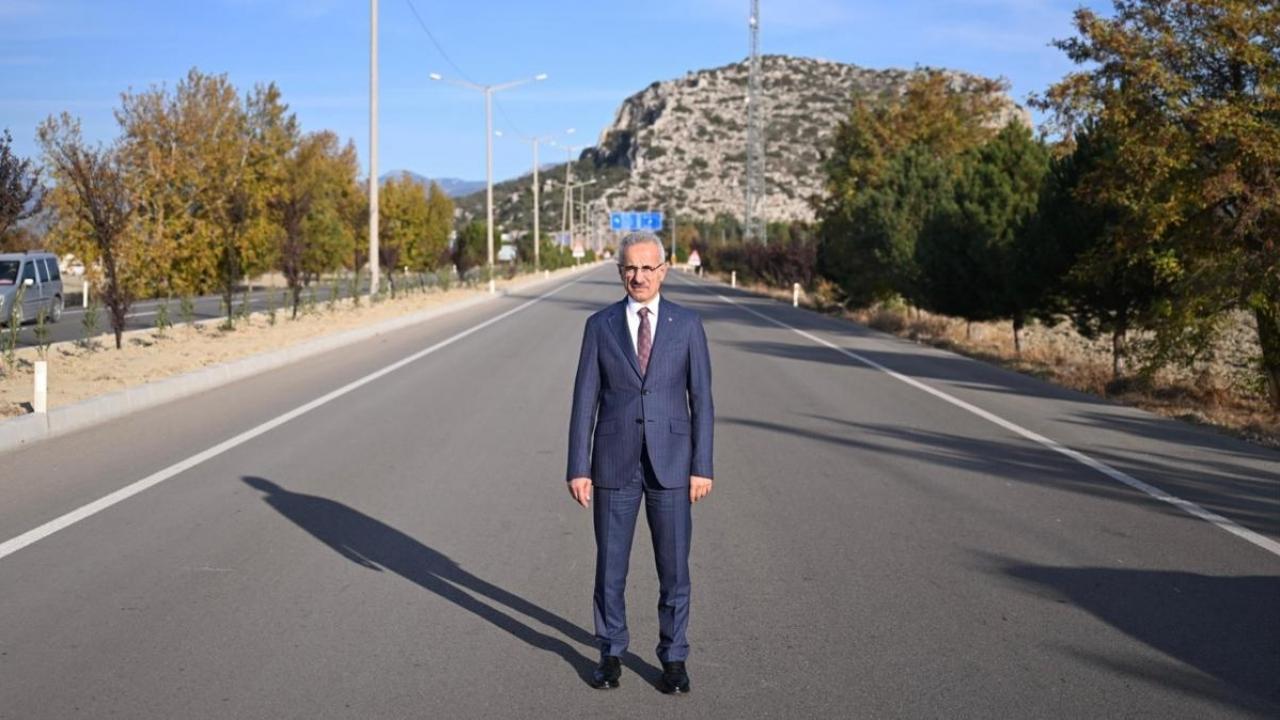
(1224, 627)
(1220, 485)
(377, 546)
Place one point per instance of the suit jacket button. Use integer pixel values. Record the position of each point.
(646, 392)
(639, 421)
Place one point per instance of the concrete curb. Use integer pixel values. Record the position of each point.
(25, 430)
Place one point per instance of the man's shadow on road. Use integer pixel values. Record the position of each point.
(378, 546)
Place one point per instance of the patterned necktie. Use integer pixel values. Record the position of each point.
(644, 340)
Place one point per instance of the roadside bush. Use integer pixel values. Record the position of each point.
(472, 248)
(785, 262)
(727, 257)
(890, 319)
(788, 259)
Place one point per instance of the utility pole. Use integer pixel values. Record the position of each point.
(574, 208)
(488, 91)
(566, 223)
(673, 237)
(373, 149)
(753, 223)
(488, 182)
(537, 233)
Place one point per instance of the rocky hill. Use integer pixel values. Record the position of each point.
(681, 144)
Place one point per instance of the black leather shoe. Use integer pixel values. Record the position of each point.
(675, 680)
(605, 677)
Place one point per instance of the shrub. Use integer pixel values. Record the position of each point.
(888, 319)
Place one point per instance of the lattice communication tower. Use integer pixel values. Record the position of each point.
(753, 224)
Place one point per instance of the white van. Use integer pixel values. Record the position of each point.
(34, 275)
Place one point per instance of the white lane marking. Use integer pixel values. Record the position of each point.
(61, 523)
(1186, 506)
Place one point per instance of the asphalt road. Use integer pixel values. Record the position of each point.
(873, 547)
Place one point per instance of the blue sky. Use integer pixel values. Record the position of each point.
(79, 55)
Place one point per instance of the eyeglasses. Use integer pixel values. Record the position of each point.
(631, 270)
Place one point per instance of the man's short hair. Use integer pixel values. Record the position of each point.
(637, 238)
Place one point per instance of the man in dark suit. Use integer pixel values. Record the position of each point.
(641, 429)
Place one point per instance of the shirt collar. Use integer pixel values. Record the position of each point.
(633, 307)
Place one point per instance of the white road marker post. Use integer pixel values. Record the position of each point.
(795, 295)
(40, 399)
(85, 295)
(733, 278)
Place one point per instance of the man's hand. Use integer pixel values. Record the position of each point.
(580, 489)
(699, 487)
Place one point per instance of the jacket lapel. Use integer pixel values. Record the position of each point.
(622, 335)
(668, 314)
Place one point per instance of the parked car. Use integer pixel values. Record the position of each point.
(34, 276)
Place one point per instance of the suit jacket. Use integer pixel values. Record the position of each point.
(616, 412)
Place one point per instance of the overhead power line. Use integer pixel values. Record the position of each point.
(436, 43)
(511, 125)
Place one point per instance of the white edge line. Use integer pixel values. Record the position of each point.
(1186, 506)
(64, 521)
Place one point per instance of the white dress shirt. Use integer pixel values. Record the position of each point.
(633, 320)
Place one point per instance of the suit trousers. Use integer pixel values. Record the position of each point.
(668, 512)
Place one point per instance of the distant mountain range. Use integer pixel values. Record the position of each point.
(453, 187)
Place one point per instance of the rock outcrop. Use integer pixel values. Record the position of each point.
(681, 144)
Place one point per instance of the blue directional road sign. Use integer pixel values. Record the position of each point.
(633, 221)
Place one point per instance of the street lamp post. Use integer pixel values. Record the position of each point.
(488, 91)
(568, 181)
(373, 152)
(537, 230)
(587, 207)
(572, 209)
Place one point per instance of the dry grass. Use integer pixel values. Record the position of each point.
(1220, 393)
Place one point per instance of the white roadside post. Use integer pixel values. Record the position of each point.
(795, 295)
(733, 278)
(85, 295)
(40, 399)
